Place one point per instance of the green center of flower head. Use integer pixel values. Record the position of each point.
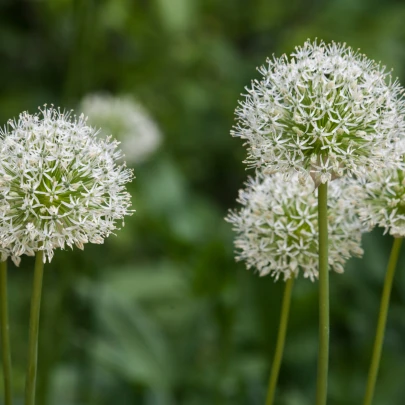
(323, 118)
(54, 191)
(325, 110)
(60, 184)
(300, 220)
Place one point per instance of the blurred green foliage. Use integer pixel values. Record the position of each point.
(162, 314)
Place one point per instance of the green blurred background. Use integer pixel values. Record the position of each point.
(161, 314)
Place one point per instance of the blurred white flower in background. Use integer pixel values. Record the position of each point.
(325, 111)
(127, 121)
(277, 226)
(60, 184)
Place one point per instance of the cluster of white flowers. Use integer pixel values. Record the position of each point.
(127, 120)
(326, 111)
(380, 200)
(59, 184)
(277, 227)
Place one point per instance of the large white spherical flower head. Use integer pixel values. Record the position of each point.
(380, 200)
(326, 111)
(59, 184)
(127, 120)
(277, 227)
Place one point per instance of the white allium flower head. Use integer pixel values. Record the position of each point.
(380, 200)
(127, 120)
(325, 111)
(277, 227)
(60, 184)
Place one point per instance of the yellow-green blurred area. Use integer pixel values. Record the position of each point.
(161, 314)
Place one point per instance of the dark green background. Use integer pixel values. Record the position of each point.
(161, 314)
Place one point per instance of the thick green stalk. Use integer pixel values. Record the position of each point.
(5, 337)
(382, 320)
(33, 330)
(323, 351)
(275, 368)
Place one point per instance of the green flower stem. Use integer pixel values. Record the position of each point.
(382, 320)
(5, 338)
(33, 330)
(275, 368)
(323, 351)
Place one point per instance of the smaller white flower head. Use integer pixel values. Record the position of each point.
(127, 120)
(60, 184)
(325, 111)
(380, 200)
(277, 227)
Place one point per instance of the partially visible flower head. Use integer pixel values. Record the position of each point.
(127, 121)
(380, 200)
(59, 184)
(277, 227)
(326, 111)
